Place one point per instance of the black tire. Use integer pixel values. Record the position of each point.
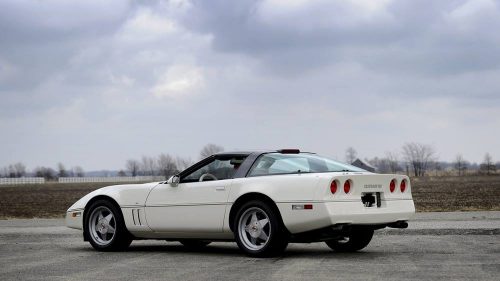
(278, 237)
(194, 244)
(358, 239)
(119, 240)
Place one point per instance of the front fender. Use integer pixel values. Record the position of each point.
(128, 195)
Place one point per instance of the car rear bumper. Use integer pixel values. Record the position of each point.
(329, 213)
(356, 213)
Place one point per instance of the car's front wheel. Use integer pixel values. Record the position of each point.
(358, 238)
(105, 228)
(259, 231)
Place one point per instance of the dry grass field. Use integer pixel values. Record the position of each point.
(452, 193)
(430, 194)
(42, 200)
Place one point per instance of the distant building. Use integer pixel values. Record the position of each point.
(363, 165)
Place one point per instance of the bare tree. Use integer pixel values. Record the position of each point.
(210, 149)
(488, 166)
(16, 170)
(45, 172)
(11, 171)
(350, 155)
(122, 173)
(132, 167)
(385, 165)
(380, 164)
(182, 163)
(166, 165)
(148, 166)
(78, 172)
(460, 165)
(437, 167)
(61, 171)
(20, 169)
(419, 156)
(393, 162)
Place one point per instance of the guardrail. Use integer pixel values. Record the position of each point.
(31, 180)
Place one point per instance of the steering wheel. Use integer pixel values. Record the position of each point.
(207, 175)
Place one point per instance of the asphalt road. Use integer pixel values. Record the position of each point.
(437, 246)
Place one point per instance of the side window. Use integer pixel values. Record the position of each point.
(219, 169)
(277, 164)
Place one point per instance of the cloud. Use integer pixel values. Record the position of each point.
(290, 37)
(307, 16)
(179, 81)
(96, 82)
(145, 26)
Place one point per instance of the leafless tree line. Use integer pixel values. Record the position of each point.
(415, 158)
(165, 164)
(487, 167)
(388, 164)
(418, 159)
(209, 150)
(162, 165)
(18, 170)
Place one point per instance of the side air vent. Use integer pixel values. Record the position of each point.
(136, 216)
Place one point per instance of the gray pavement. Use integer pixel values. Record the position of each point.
(444, 246)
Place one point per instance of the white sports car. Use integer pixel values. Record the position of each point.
(263, 200)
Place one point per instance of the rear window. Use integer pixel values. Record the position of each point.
(277, 163)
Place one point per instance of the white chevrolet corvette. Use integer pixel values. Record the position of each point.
(263, 200)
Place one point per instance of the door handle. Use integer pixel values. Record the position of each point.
(220, 188)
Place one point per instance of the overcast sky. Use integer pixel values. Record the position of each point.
(94, 83)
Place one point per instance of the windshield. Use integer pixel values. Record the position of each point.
(278, 163)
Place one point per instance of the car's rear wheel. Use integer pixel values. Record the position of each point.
(358, 238)
(194, 244)
(259, 231)
(105, 227)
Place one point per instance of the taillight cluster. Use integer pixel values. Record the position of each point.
(335, 184)
(347, 186)
(402, 185)
(392, 186)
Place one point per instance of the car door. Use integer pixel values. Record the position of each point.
(192, 205)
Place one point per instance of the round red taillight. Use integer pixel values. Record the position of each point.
(347, 186)
(392, 186)
(403, 186)
(333, 187)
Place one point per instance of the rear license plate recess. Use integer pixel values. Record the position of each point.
(371, 199)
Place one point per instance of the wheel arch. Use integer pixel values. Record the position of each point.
(89, 203)
(248, 197)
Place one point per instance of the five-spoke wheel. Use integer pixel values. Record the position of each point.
(259, 231)
(254, 228)
(104, 227)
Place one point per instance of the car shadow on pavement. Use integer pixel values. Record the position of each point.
(232, 250)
